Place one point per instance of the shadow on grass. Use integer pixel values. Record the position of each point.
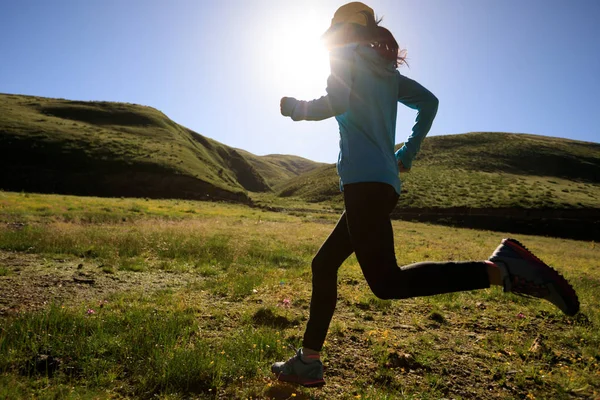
(284, 391)
(266, 317)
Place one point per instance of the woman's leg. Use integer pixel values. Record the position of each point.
(368, 208)
(306, 367)
(334, 251)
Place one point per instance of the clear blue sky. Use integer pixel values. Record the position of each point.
(220, 67)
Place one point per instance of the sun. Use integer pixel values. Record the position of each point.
(298, 61)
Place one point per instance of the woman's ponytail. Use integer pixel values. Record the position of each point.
(386, 45)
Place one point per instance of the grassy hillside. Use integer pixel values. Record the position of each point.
(114, 149)
(497, 181)
(319, 185)
(277, 168)
(485, 170)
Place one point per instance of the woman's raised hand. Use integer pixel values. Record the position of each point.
(286, 106)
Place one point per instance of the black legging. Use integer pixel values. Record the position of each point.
(365, 229)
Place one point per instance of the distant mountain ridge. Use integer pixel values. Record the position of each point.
(117, 149)
(279, 168)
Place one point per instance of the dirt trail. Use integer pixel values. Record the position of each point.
(31, 282)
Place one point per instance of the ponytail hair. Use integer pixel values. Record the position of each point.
(386, 45)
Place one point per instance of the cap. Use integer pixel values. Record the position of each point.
(352, 13)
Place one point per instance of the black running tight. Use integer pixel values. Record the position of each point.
(365, 229)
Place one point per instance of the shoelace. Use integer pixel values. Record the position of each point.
(295, 356)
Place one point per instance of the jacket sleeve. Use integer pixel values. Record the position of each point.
(339, 86)
(415, 96)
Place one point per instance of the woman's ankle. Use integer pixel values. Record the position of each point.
(310, 354)
(494, 274)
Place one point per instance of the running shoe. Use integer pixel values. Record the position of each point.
(526, 275)
(294, 370)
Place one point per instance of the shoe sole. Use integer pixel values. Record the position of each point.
(564, 289)
(297, 380)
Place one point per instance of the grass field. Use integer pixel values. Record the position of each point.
(133, 298)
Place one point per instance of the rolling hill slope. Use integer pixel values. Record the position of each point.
(497, 181)
(484, 170)
(117, 149)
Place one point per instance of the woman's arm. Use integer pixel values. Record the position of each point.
(336, 101)
(415, 96)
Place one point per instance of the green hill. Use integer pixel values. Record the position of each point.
(116, 149)
(484, 170)
(321, 184)
(497, 181)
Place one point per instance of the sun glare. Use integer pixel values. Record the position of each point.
(298, 60)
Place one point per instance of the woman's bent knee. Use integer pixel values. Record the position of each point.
(383, 291)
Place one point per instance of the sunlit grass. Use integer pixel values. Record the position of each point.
(125, 344)
(244, 299)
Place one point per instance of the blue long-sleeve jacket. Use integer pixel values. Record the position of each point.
(363, 91)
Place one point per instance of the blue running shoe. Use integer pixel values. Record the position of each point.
(297, 371)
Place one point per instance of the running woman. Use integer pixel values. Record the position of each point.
(363, 91)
